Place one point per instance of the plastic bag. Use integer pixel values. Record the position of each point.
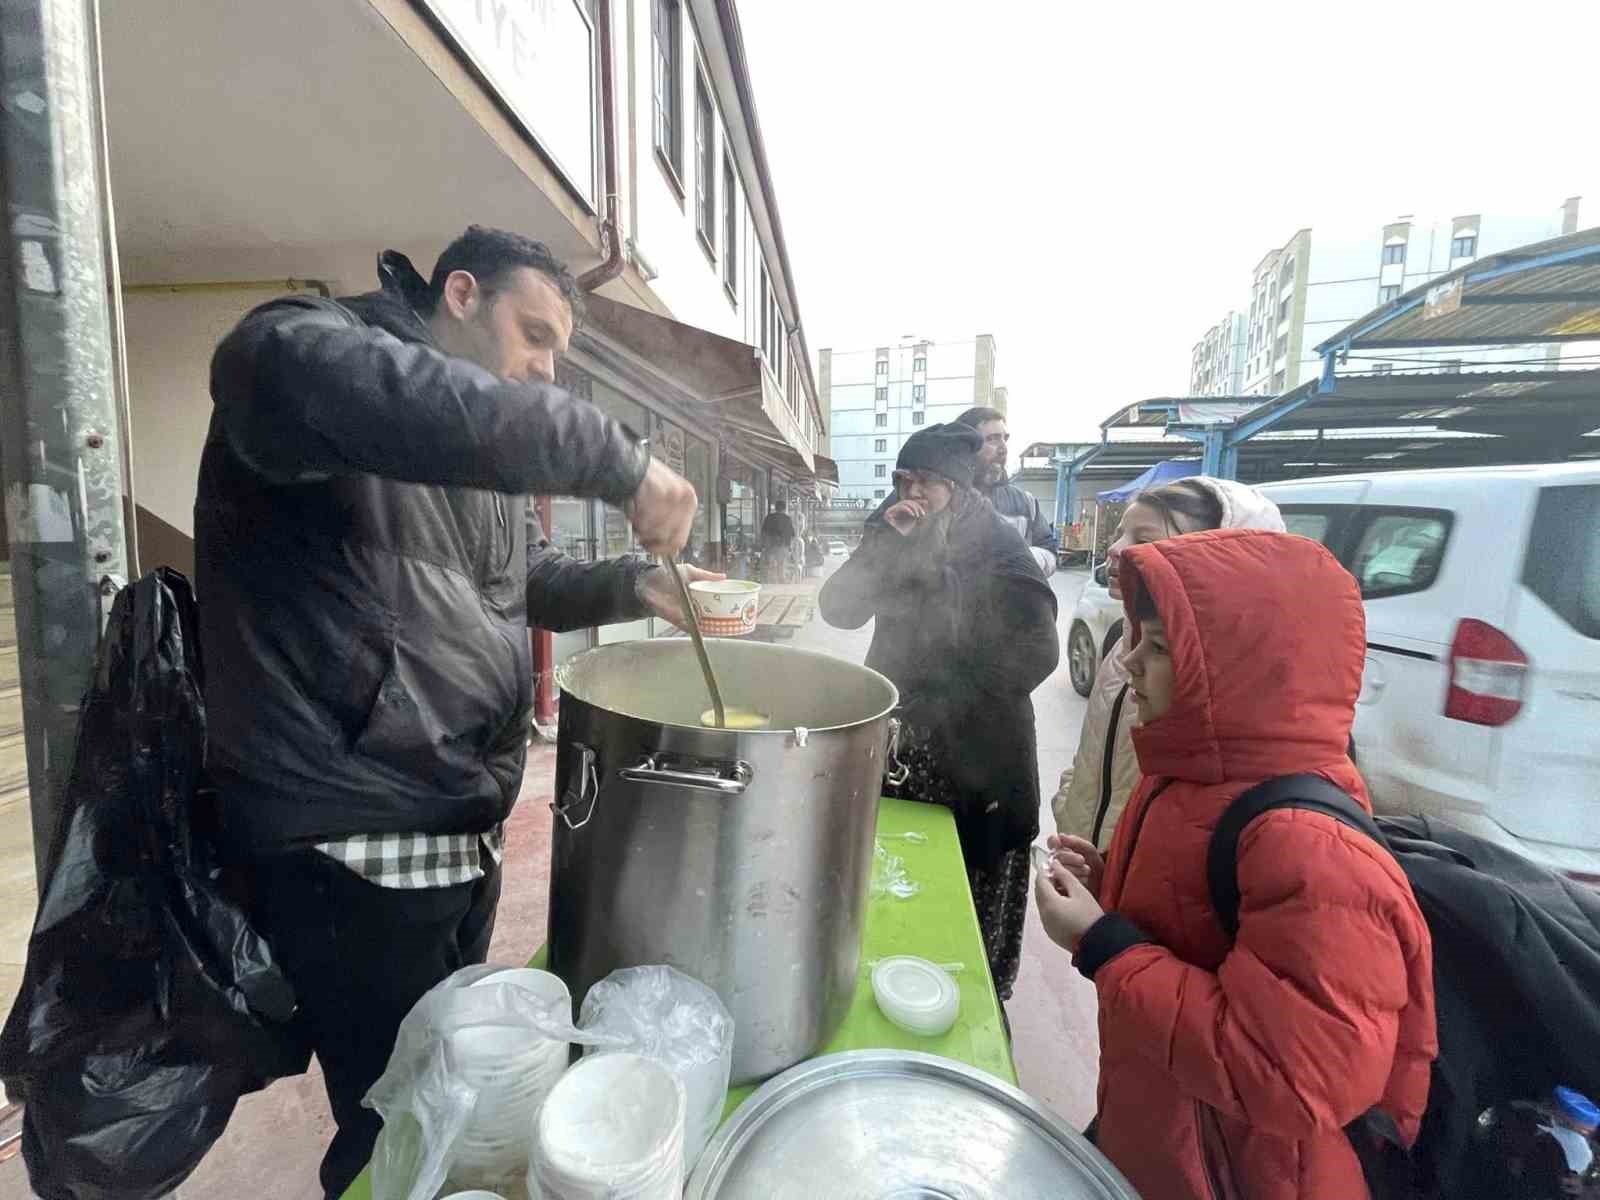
(889, 875)
(663, 1014)
(428, 1104)
(149, 1005)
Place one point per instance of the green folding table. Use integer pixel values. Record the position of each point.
(937, 923)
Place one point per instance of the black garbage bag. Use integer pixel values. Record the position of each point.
(149, 1005)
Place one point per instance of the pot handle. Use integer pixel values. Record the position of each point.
(652, 770)
(895, 772)
(588, 788)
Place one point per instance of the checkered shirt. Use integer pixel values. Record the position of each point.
(418, 860)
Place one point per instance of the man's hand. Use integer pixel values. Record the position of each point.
(1066, 909)
(903, 517)
(660, 595)
(1081, 860)
(662, 510)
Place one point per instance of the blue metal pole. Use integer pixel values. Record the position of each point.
(1211, 462)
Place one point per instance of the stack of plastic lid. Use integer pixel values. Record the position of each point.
(917, 995)
(512, 1070)
(611, 1129)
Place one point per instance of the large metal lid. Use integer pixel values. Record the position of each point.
(897, 1125)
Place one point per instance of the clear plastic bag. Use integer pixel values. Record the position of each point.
(429, 1095)
(663, 1014)
(889, 875)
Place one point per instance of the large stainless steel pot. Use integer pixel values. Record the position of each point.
(740, 857)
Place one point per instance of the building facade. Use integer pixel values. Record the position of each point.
(876, 399)
(1216, 365)
(1321, 280)
(621, 134)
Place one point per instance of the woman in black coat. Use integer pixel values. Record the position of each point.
(966, 629)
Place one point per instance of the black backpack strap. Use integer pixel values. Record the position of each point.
(1310, 792)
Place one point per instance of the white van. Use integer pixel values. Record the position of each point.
(1480, 701)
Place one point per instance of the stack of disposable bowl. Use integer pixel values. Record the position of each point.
(610, 1129)
(512, 1068)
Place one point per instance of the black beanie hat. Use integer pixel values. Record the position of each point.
(949, 450)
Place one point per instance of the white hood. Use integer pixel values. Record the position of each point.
(1243, 507)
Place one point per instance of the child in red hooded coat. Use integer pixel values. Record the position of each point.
(1230, 1068)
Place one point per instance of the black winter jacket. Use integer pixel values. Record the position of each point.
(1022, 512)
(966, 638)
(364, 575)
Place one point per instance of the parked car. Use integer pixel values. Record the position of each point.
(1096, 626)
(1480, 698)
(838, 551)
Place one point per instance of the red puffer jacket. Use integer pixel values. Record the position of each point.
(1229, 1070)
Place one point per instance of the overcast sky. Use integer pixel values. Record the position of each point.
(1093, 183)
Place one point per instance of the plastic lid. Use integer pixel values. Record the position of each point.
(1577, 1107)
(916, 995)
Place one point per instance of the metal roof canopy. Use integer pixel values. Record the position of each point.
(1545, 292)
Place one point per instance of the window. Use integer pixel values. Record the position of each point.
(882, 420)
(1394, 253)
(1280, 346)
(1383, 369)
(1452, 366)
(883, 366)
(880, 470)
(1465, 246)
(919, 363)
(919, 393)
(1313, 525)
(667, 84)
(880, 446)
(1388, 292)
(878, 495)
(1278, 381)
(917, 417)
(880, 395)
(1283, 309)
(730, 228)
(705, 164)
(1400, 551)
(1562, 566)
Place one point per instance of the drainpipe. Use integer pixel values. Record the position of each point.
(611, 224)
(59, 424)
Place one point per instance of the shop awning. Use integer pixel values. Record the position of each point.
(699, 368)
(1162, 472)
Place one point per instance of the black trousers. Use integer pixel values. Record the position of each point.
(360, 956)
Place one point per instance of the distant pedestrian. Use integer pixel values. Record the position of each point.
(965, 627)
(815, 557)
(777, 540)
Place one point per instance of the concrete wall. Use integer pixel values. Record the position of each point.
(171, 335)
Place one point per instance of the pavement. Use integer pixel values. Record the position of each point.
(276, 1139)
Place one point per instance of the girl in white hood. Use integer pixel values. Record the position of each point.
(1104, 772)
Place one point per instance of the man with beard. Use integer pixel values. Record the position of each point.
(1019, 508)
(965, 627)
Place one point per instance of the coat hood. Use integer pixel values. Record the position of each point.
(1243, 507)
(1267, 636)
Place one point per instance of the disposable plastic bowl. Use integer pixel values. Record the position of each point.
(916, 995)
(542, 984)
(475, 1194)
(613, 1121)
(726, 607)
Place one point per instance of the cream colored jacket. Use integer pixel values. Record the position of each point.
(1094, 789)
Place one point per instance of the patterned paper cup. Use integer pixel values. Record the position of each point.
(726, 607)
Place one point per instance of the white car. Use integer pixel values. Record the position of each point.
(1096, 626)
(1480, 698)
(838, 551)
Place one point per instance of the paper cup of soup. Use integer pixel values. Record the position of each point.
(726, 607)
